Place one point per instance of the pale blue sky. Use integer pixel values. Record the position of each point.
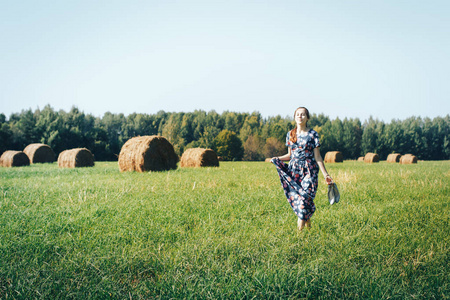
(388, 59)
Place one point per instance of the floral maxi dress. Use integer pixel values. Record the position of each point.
(300, 177)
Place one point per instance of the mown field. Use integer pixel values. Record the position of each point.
(223, 233)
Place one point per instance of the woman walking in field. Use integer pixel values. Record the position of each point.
(300, 177)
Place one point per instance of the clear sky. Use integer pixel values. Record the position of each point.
(388, 59)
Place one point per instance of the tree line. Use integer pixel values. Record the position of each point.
(233, 135)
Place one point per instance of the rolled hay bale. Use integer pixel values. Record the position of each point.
(371, 158)
(393, 158)
(147, 153)
(408, 159)
(199, 157)
(76, 158)
(11, 158)
(361, 158)
(334, 157)
(39, 153)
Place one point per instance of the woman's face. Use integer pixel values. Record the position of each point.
(301, 116)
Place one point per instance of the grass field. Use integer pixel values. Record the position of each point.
(223, 233)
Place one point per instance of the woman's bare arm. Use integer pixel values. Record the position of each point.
(321, 164)
(286, 157)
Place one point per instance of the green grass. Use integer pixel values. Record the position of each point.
(221, 233)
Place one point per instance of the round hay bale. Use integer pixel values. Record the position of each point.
(408, 159)
(39, 153)
(147, 153)
(199, 157)
(12, 158)
(334, 157)
(371, 158)
(361, 158)
(393, 158)
(76, 158)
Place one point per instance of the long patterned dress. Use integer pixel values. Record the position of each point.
(299, 178)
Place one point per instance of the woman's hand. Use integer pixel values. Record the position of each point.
(328, 179)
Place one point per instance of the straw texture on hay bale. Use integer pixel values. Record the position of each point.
(199, 157)
(393, 158)
(371, 158)
(12, 158)
(333, 157)
(39, 153)
(147, 153)
(408, 159)
(361, 158)
(76, 158)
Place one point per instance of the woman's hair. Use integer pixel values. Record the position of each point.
(293, 132)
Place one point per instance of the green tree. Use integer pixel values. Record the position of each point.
(233, 121)
(317, 120)
(369, 138)
(104, 136)
(394, 137)
(440, 138)
(139, 125)
(186, 130)
(276, 127)
(228, 146)
(113, 125)
(327, 139)
(199, 123)
(214, 119)
(207, 137)
(350, 142)
(46, 123)
(23, 130)
(251, 126)
(414, 138)
(337, 131)
(5, 134)
(171, 131)
(444, 131)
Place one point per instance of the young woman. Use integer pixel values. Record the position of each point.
(300, 177)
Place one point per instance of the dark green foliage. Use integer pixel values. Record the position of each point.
(5, 136)
(426, 138)
(228, 146)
